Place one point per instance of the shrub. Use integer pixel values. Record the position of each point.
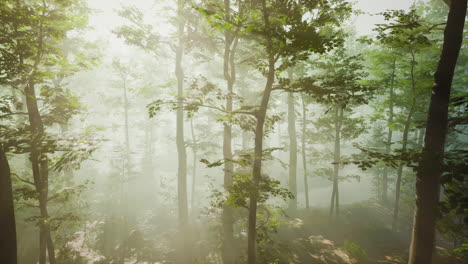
(355, 251)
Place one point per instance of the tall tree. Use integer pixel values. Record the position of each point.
(229, 70)
(180, 141)
(408, 34)
(430, 166)
(304, 150)
(292, 148)
(339, 85)
(286, 39)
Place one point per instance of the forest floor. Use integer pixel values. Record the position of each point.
(362, 235)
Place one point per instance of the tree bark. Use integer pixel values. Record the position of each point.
(8, 249)
(430, 167)
(292, 150)
(304, 157)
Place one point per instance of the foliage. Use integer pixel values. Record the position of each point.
(355, 250)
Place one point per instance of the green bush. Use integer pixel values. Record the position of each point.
(355, 251)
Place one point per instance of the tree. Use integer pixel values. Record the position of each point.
(7, 217)
(229, 70)
(141, 35)
(286, 39)
(340, 86)
(304, 150)
(292, 149)
(430, 166)
(407, 34)
(37, 30)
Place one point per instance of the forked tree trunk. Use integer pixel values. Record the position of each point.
(430, 167)
(8, 250)
(335, 200)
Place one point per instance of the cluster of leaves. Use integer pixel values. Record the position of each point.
(139, 33)
(369, 157)
(60, 105)
(270, 248)
(403, 30)
(75, 149)
(341, 80)
(243, 159)
(243, 186)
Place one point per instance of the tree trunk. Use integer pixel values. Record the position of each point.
(8, 250)
(257, 164)
(304, 157)
(388, 144)
(194, 165)
(230, 76)
(430, 167)
(40, 170)
(126, 173)
(127, 138)
(292, 150)
(404, 145)
(181, 150)
(336, 164)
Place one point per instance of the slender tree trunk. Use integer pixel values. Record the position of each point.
(257, 165)
(292, 150)
(304, 157)
(336, 163)
(388, 144)
(8, 250)
(127, 138)
(40, 170)
(430, 167)
(194, 164)
(404, 145)
(181, 150)
(125, 174)
(229, 69)
(258, 145)
(229, 76)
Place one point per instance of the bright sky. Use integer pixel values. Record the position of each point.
(365, 23)
(105, 19)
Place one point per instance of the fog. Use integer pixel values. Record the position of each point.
(232, 132)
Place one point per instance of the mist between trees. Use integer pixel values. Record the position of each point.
(258, 132)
